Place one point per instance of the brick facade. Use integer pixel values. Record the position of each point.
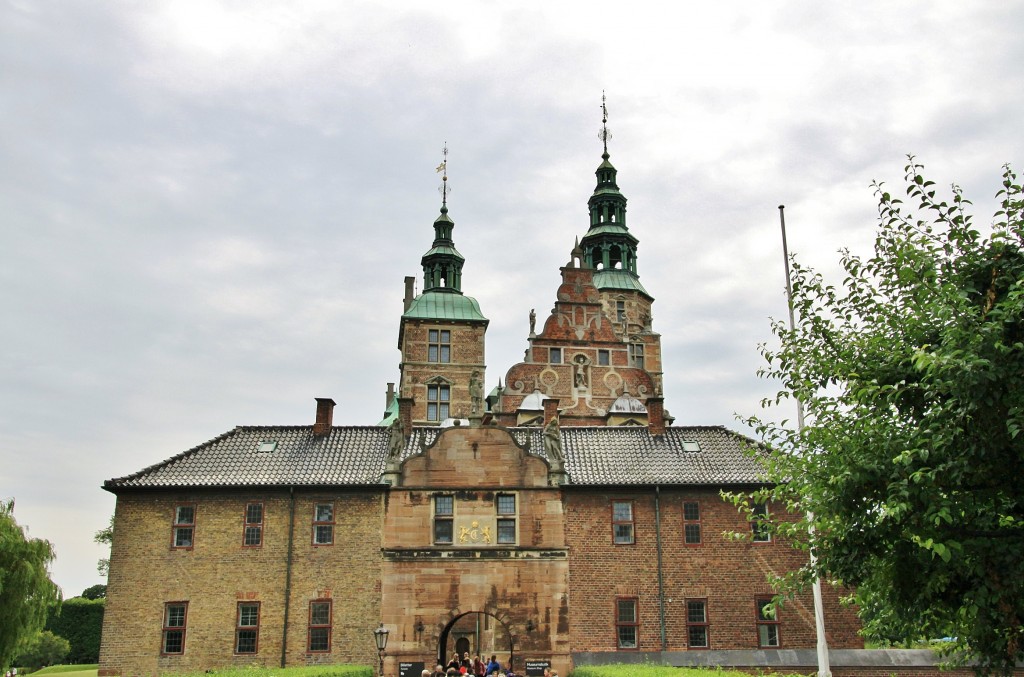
(218, 572)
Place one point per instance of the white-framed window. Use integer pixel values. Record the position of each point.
(183, 529)
(626, 623)
(622, 522)
(697, 624)
(320, 622)
(173, 630)
(555, 355)
(768, 635)
(323, 524)
(758, 524)
(247, 628)
(252, 531)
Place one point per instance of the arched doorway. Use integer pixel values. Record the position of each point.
(477, 633)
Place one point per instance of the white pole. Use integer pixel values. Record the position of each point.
(819, 609)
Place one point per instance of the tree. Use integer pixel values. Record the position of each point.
(912, 377)
(81, 623)
(98, 591)
(44, 648)
(26, 591)
(104, 536)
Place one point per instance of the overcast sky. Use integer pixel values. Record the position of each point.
(208, 208)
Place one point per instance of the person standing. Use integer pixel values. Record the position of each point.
(492, 666)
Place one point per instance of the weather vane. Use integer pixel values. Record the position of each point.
(605, 133)
(443, 170)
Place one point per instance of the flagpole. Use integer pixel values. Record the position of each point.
(824, 669)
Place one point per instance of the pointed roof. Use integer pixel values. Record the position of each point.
(608, 246)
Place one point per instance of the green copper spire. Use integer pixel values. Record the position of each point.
(608, 246)
(442, 264)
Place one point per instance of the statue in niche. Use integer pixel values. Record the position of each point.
(553, 441)
(580, 378)
(533, 321)
(396, 440)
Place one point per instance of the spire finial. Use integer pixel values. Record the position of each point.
(443, 170)
(604, 134)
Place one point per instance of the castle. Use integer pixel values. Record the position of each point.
(558, 519)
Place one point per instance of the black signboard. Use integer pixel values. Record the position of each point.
(411, 669)
(535, 667)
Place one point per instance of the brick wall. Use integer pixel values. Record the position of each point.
(217, 573)
(728, 574)
(467, 356)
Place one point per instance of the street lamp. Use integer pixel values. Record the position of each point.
(380, 637)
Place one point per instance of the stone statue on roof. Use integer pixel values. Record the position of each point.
(476, 394)
(396, 440)
(533, 321)
(553, 441)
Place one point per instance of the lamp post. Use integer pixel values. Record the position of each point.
(380, 637)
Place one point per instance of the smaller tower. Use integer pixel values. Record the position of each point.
(441, 334)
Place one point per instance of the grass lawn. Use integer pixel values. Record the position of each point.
(359, 671)
(656, 671)
(85, 670)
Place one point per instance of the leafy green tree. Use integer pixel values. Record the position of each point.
(98, 591)
(104, 536)
(912, 377)
(26, 591)
(44, 648)
(81, 623)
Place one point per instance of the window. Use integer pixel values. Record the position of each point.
(626, 623)
(247, 628)
(175, 614)
(758, 524)
(506, 507)
(555, 355)
(767, 624)
(622, 521)
(252, 532)
(444, 513)
(697, 623)
(319, 626)
(323, 524)
(691, 522)
(439, 345)
(636, 355)
(438, 397)
(603, 358)
(620, 311)
(184, 525)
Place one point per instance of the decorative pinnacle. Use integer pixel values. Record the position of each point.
(443, 170)
(605, 133)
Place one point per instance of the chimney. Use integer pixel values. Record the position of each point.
(324, 416)
(390, 396)
(550, 409)
(656, 415)
(405, 414)
(410, 285)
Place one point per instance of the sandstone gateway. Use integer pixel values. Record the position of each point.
(559, 517)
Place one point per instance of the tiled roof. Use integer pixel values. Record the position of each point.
(356, 456)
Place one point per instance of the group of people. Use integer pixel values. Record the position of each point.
(475, 667)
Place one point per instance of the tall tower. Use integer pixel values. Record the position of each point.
(441, 334)
(611, 250)
(596, 353)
